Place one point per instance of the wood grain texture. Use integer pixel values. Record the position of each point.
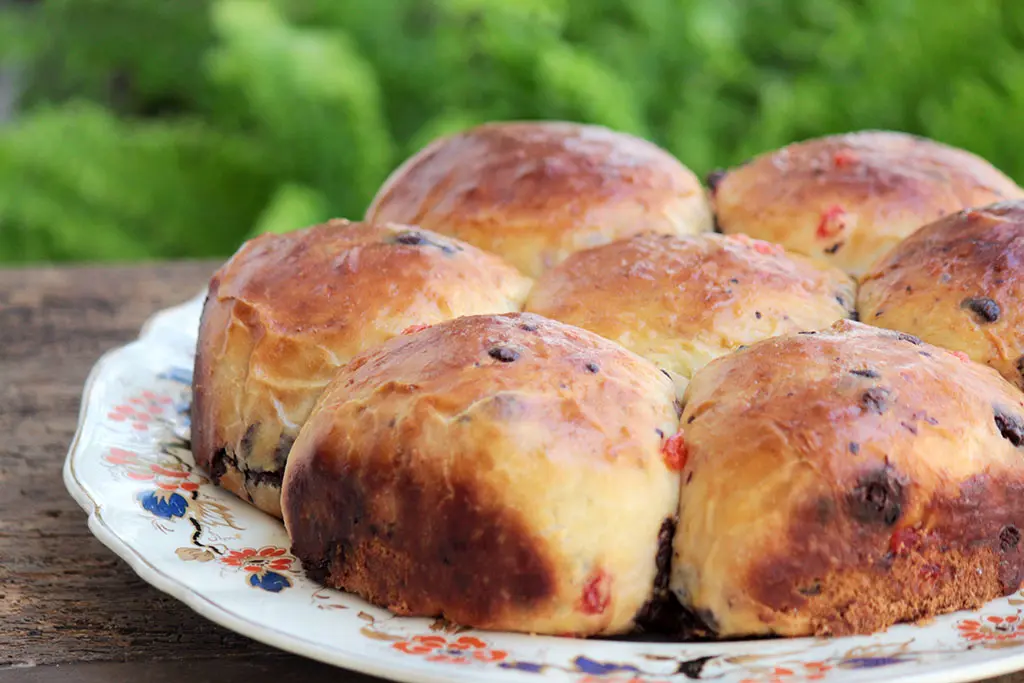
(63, 596)
(70, 610)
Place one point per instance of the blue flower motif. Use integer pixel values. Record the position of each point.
(870, 662)
(163, 504)
(595, 668)
(528, 667)
(269, 581)
(177, 374)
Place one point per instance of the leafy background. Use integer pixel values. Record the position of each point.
(141, 129)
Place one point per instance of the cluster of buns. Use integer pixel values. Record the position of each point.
(553, 384)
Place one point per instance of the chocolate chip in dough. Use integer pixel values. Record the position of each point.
(245, 447)
(875, 400)
(1010, 426)
(1009, 538)
(909, 338)
(503, 354)
(714, 178)
(417, 239)
(985, 310)
(218, 465)
(878, 498)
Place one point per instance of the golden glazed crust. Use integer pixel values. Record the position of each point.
(535, 192)
(957, 283)
(287, 310)
(843, 481)
(683, 301)
(502, 471)
(848, 199)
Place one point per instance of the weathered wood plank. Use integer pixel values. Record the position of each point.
(63, 596)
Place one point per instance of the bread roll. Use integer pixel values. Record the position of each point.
(287, 310)
(683, 301)
(505, 472)
(534, 192)
(958, 283)
(847, 199)
(840, 482)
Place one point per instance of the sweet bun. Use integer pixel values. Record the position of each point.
(847, 199)
(535, 192)
(502, 471)
(287, 310)
(683, 301)
(843, 481)
(958, 283)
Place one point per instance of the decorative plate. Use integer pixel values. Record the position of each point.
(131, 469)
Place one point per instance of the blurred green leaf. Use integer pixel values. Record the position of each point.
(292, 207)
(163, 129)
(81, 184)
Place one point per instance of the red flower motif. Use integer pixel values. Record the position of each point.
(805, 671)
(991, 628)
(461, 650)
(168, 474)
(267, 558)
(140, 410)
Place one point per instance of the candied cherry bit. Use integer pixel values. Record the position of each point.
(964, 358)
(903, 539)
(414, 328)
(831, 222)
(596, 593)
(760, 246)
(675, 452)
(843, 158)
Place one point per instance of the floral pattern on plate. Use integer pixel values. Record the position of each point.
(130, 467)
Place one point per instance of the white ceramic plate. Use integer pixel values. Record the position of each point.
(130, 468)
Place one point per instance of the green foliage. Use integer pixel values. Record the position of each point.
(166, 129)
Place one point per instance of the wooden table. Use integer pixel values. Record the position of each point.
(70, 610)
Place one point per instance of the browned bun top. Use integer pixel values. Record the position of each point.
(503, 471)
(847, 199)
(881, 472)
(535, 192)
(327, 279)
(681, 301)
(957, 283)
(287, 310)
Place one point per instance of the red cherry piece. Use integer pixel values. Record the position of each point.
(843, 158)
(675, 452)
(596, 593)
(831, 222)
